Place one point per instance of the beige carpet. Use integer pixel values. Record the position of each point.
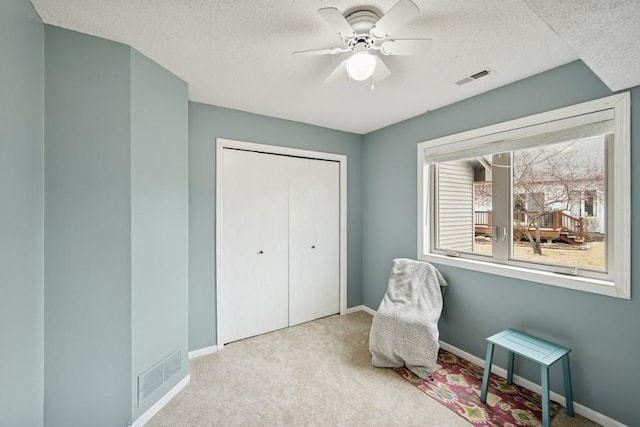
(315, 374)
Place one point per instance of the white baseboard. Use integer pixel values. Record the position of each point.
(155, 408)
(357, 308)
(203, 351)
(529, 385)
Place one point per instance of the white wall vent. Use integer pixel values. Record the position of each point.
(151, 379)
(473, 77)
(172, 364)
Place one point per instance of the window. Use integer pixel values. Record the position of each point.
(544, 198)
(590, 202)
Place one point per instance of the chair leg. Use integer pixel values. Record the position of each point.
(487, 373)
(544, 374)
(568, 391)
(510, 368)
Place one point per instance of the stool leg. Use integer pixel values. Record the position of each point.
(544, 373)
(510, 368)
(487, 373)
(568, 392)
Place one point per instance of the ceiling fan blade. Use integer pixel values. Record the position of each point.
(337, 72)
(314, 52)
(417, 47)
(337, 21)
(381, 72)
(403, 12)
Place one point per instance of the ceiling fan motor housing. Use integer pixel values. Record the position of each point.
(361, 21)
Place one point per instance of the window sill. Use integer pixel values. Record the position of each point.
(601, 287)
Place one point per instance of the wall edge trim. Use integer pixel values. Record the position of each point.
(156, 407)
(203, 351)
(357, 308)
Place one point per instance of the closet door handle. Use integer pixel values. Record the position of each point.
(313, 246)
(260, 252)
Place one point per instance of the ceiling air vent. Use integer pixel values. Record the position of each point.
(473, 77)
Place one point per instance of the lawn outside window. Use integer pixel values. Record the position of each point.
(545, 198)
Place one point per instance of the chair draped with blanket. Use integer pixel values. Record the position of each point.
(404, 331)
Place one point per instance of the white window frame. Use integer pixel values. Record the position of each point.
(618, 282)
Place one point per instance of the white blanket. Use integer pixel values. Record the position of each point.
(404, 331)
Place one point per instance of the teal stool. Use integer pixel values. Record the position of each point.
(542, 352)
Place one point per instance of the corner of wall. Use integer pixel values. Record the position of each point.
(22, 214)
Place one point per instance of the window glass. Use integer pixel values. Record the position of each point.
(555, 191)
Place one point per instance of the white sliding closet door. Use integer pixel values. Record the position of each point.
(255, 244)
(314, 239)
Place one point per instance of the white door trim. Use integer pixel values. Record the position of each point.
(222, 143)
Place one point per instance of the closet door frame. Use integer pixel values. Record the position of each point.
(221, 144)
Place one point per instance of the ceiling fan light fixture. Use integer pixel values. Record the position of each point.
(361, 66)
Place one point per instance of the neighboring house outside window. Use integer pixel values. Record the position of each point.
(533, 198)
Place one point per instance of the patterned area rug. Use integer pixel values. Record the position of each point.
(457, 383)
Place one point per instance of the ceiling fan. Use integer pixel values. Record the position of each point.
(364, 32)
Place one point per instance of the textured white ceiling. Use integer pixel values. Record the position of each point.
(238, 53)
(604, 33)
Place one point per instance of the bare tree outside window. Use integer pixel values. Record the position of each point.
(558, 200)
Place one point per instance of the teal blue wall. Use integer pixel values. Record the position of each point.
(159, 222)
(602, 331)
(206, 123)
(116, 228)
(21, 214)
(87, 231)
